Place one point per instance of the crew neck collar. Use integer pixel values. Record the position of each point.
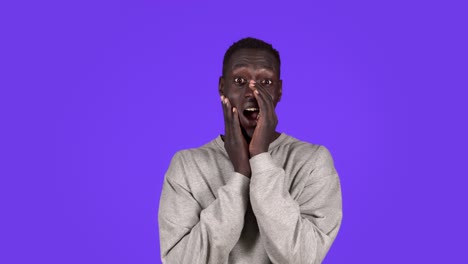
(282, 137)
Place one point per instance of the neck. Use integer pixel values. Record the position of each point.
(249, 138)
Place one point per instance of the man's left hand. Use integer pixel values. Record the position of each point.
(265, 130)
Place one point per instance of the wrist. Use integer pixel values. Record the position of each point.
(245, 172)
(254, 152)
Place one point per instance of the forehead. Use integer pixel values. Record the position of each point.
(252, 58)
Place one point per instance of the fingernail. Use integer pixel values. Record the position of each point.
(256, 91)
(225, 100)
(234, 109)
(222, 98)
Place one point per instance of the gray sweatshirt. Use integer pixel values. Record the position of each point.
(288, 212)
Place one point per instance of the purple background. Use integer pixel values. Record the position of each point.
(97, 96)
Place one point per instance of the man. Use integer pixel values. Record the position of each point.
(252, 195)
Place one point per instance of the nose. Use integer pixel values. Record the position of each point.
(248, 90)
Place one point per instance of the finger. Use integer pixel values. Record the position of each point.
(227, 114)
(262, 88)
(262, 103)
(223, 104)
(228, 106)
(270, 103)
(235, 120)
(230, 114)
(259, 88)
(253, 87)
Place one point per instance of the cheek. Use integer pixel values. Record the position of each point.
(273, 93)
(234, 97)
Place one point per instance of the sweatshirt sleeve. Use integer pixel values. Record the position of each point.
(191, 234)
(297, 230)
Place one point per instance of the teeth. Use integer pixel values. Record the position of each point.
(251, 109)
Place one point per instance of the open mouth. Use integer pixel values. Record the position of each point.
(251, 113)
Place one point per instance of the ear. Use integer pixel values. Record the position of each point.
(221, 86)
(280, 90)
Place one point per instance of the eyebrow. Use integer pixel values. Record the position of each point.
(243, 65)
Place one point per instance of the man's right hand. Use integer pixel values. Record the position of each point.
(234, 142)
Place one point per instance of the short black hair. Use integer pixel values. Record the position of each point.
(250, 43)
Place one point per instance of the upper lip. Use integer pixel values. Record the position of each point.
(251, 105)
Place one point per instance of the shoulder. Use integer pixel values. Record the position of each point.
(207, 152)
(303, 157)
(309, 159)
(189, 161)
(304, 150)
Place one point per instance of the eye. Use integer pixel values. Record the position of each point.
(240, 81)
(267, 82)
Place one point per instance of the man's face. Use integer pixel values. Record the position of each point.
(243, 66)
